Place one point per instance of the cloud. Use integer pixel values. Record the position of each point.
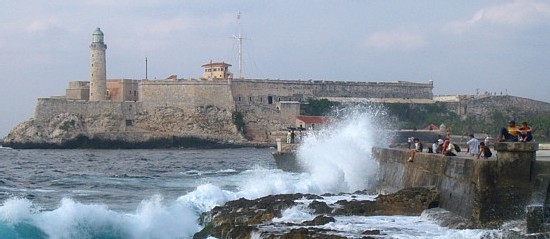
(396, 40)
(517, 12)
(41, 24)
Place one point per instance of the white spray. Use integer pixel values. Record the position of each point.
(338, 157)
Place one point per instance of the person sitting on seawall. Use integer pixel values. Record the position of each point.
(416, 147)
(484, 151)
(473, 146)
(449, 148)
(510, 133)
(524, 133)
(439, 146)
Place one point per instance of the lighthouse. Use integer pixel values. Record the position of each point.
(98, 67)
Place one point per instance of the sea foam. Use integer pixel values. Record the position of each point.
(338, 157)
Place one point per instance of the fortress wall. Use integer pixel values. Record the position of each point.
(48, 108)
(288, 90)
(258, 99)
(186, 93)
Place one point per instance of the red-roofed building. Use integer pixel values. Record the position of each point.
(312, 122)
(431, 127)
(216, 70)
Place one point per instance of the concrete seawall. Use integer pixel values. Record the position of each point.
(485, 191)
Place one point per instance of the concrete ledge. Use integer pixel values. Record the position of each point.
(516, 146)
(485, 191)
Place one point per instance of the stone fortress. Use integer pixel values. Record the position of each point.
(176, 111)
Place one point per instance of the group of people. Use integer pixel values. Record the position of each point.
(293, 137)
(447, 148)
(511, 133)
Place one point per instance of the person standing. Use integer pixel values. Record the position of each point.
(473, 146)
(289, 137)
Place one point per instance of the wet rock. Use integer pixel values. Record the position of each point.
(319, 220)
(355, 208)
(371, 232)
(319, 207)
(235, 218)
(408, 201)
(305, 233)
(244, 218)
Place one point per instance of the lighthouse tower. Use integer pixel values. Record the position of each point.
(98, 67)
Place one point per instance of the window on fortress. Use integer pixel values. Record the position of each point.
(129, 122)
(270, 99)
(239, 98)
(250, 99)
(261, 99)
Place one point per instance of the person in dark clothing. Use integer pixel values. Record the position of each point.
(524, 133)
(510, 133)
(484, 151)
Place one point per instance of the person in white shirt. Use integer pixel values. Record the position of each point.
(473, 146)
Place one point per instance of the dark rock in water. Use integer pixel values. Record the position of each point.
(243, 217)
(357, 208)
(408, 201)
(319, 220)
(305, 233)
(320, 207)
(234, 218)
(371, 232)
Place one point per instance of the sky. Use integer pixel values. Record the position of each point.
(465, 47)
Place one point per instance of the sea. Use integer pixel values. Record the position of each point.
(87, 193)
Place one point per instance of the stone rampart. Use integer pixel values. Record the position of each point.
(187, 94)
(484, 191)
(48, 108)
(296, 90)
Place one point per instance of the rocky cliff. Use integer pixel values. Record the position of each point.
(152, 127)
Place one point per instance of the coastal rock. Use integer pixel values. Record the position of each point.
(408, 201)
(243, 218)
(319, 220)
(159, 127)
(319, 207)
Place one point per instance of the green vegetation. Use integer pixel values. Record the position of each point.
(318, 107)
(67, 125)
(418, 116)
(238, 120)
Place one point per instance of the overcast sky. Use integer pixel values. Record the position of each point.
(463, 46)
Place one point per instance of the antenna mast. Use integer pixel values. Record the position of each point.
(239, 38)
